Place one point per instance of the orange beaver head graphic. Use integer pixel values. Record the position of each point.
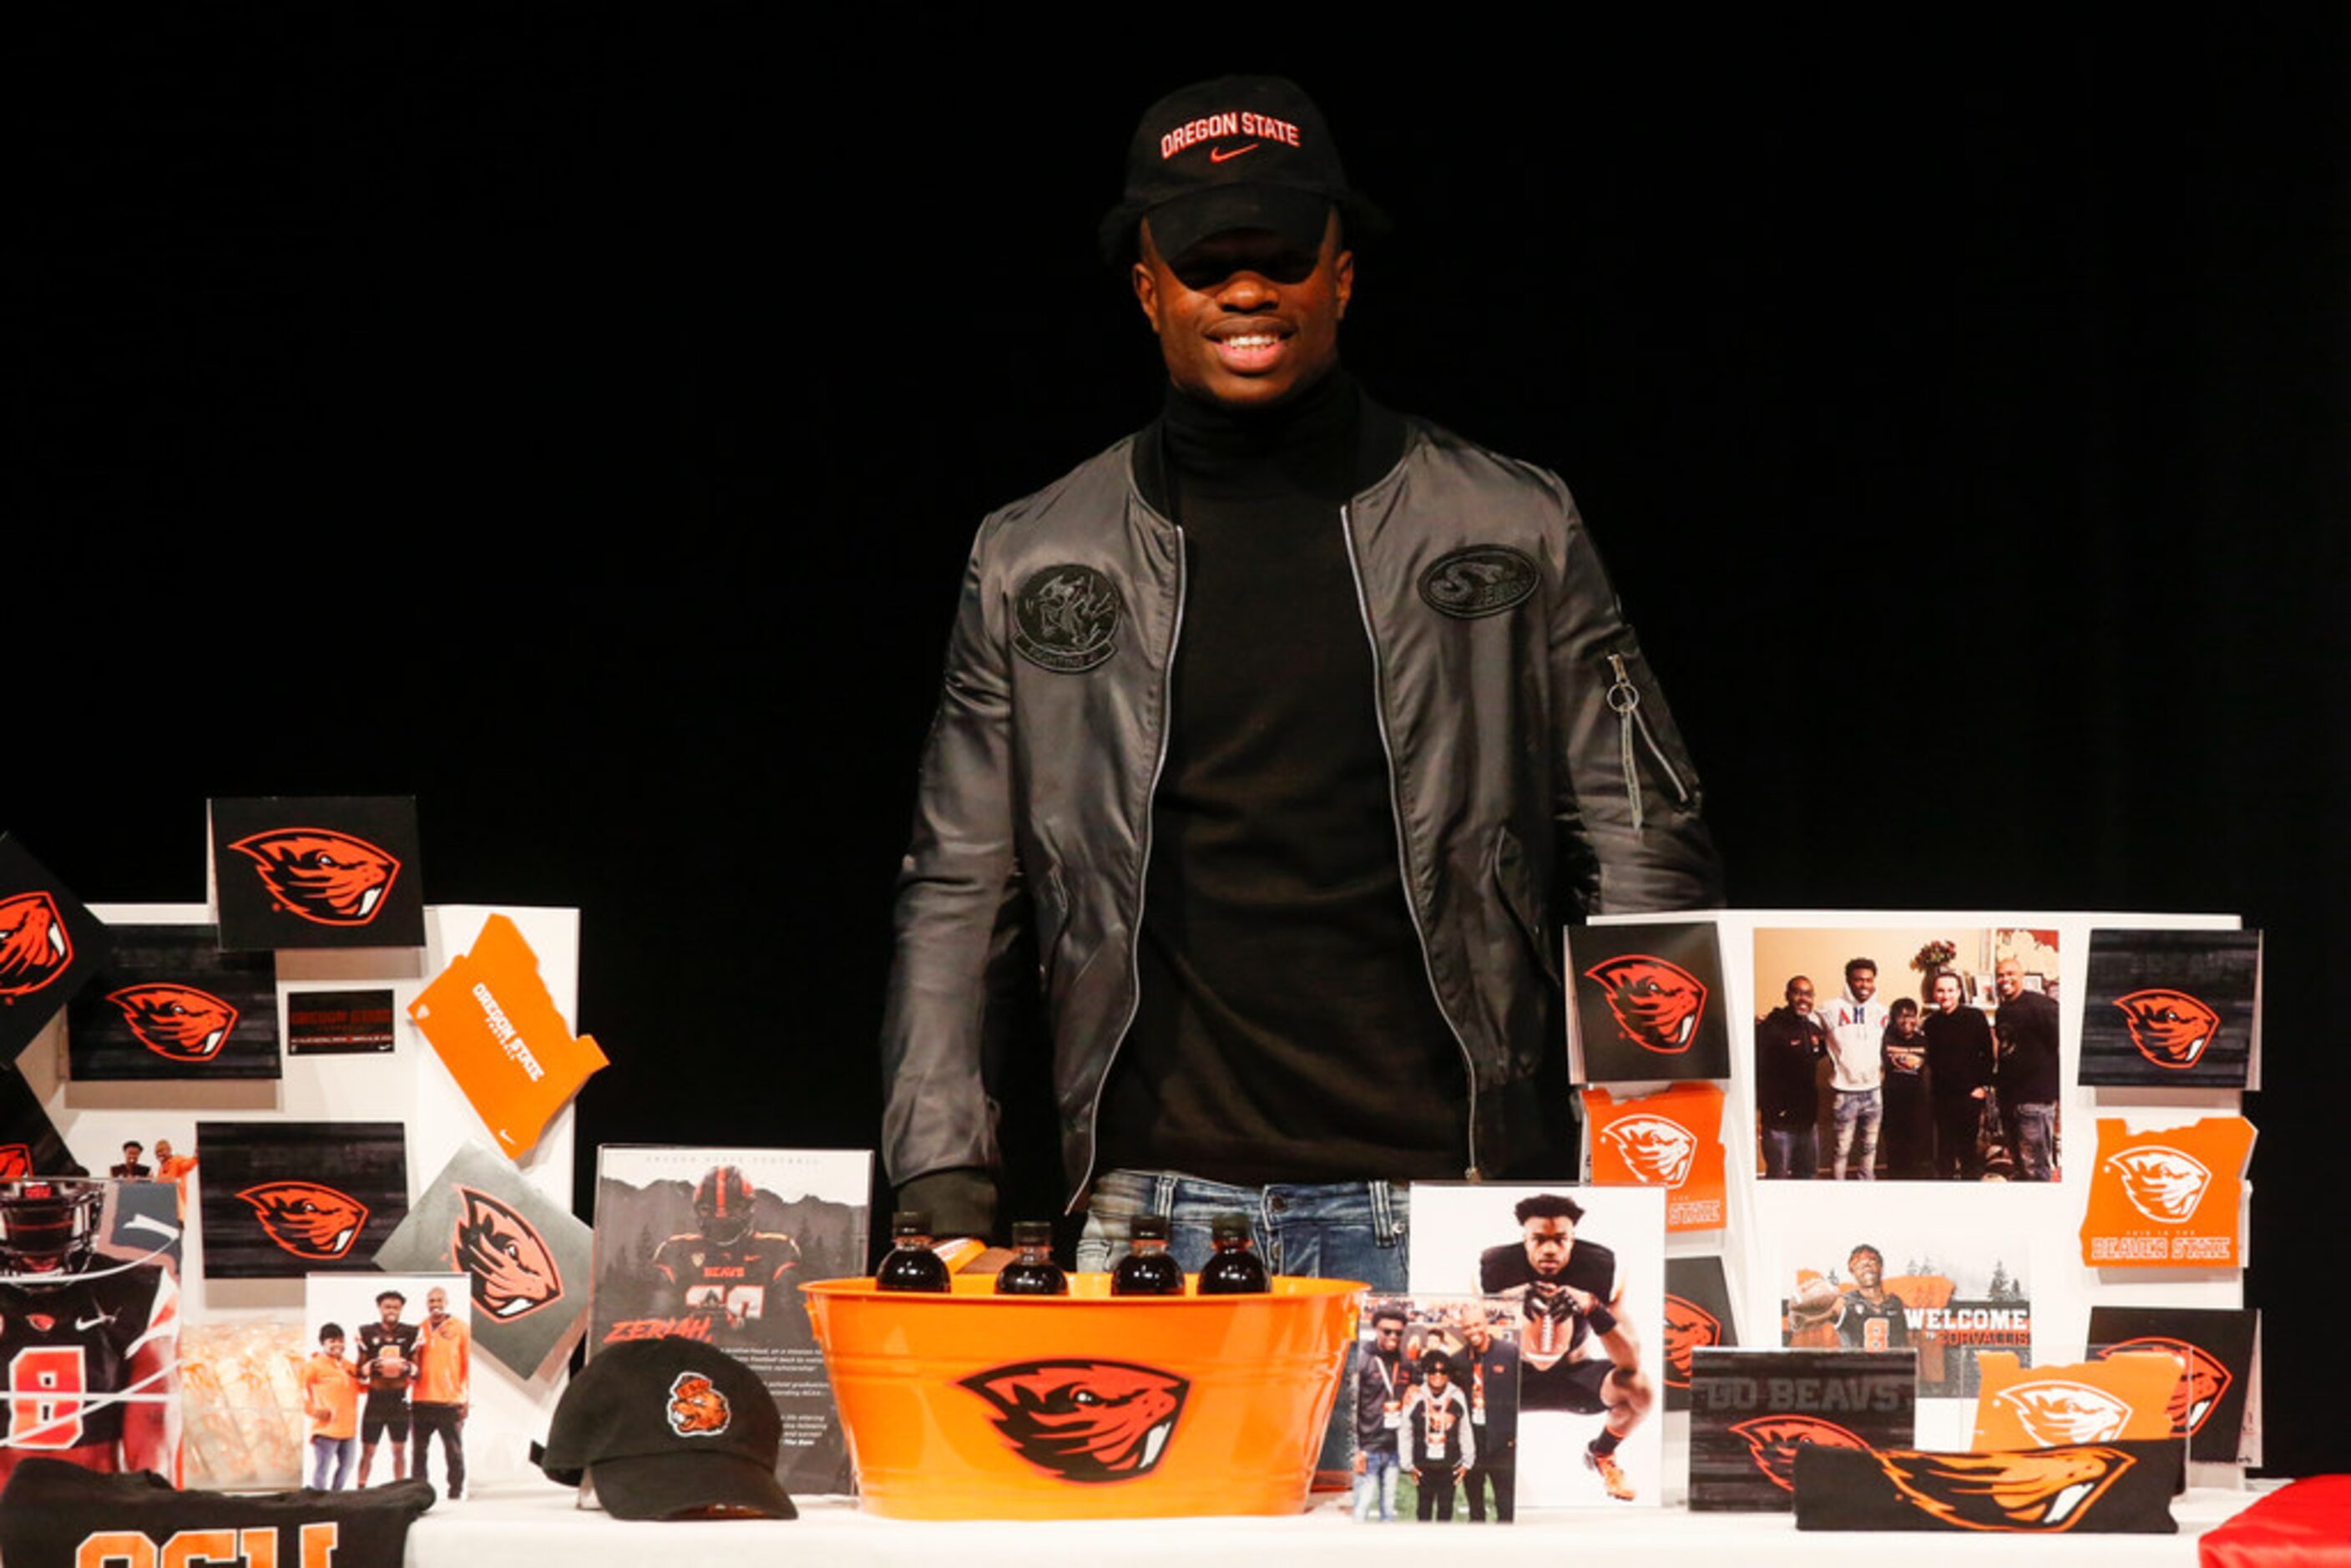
(178, 1022)
(1688, 1327)
(2040, 1492)
(2170, 1029)
(696, 1409)
(2199, 1389)
(1772, 1441)
(2055, 1411)
(1657, 1149)
(2161, 1183)
(514, 1272)
(1084, 1420)
(33, 947)
(306, 1219)
(326, 877)
(1658, 1004)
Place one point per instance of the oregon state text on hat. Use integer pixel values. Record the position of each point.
(1231, 122)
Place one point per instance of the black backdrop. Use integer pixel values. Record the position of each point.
(577, 420)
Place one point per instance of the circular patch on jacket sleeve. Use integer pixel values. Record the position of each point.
(1065, 619)
(1480, 580)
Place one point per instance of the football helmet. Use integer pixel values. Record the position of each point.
(48, 1228)
(722, 1205)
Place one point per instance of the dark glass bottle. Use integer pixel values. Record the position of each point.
(1034, 1272)
(1146, 1270)
(911, 1265)
(1235, 1269)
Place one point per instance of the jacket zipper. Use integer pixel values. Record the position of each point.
(1396, 808)
(1141, 886)
(1624, 699)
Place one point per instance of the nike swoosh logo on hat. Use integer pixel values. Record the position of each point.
(1219, 155)
(83, 1325)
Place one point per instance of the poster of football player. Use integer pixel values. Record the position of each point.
(407, 1341)
(1946, 1273)
(1648, 1002)
(2179, 1007)
(524, 1256)
(1434, 1385)
(49, 947)
(1917, 1053)
(1583, 1269)
(715, 1243)
(90, 1328)
(169, 1003)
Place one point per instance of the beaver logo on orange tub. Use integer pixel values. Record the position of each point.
(1084, 1420)
(2038, 1493)
(696, 1409)
(177, 1022)
(33, 947)
(306, 1219)
(1658, 1004)
(2170, 1029)
(512, 1270)
(1772, 1441)
(326, 877)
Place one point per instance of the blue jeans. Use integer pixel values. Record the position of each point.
(1347, 1230)
(1343, 1230)
(1791, 1154)
(1858, 1112)
(1382, 1470)
(2036, 1141)
(332, 1457)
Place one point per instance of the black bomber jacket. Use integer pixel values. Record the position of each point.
(1533, 766)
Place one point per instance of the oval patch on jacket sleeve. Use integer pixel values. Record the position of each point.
(1480, 580)
(1065, 617)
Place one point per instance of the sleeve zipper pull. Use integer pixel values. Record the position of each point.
(1624, 699)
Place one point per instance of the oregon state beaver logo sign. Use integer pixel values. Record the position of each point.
(512, 1267)
(324, 877)
(177, 1021)
(1773, 1442)
(1658, 1004)
(2171, 1028)
(33, 947)
(1084, 1420)
(306, 1219)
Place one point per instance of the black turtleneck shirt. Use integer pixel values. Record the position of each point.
(1287, 1031)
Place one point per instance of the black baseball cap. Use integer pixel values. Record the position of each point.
(668, 1428)
(1239, 153)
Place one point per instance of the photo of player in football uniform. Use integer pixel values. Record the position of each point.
(737, 1277)
(88, 1343)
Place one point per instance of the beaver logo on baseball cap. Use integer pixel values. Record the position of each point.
(669, 1429)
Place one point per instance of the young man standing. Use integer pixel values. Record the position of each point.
(444, 1374)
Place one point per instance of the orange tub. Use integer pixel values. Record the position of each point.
(976, 1405)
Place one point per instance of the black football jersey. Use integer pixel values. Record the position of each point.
(1550, 1335)
(1873, 1325)
(373, 1339)
(737, 1287)
(66, 1352)
(56, 1515)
